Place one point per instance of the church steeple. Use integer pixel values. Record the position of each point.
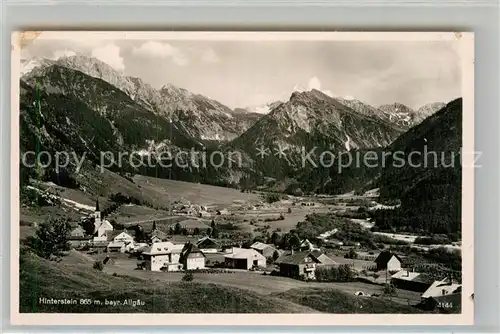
(97, 214)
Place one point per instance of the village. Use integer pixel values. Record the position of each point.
(209, 244)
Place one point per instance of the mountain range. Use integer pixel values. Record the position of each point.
(87, 106)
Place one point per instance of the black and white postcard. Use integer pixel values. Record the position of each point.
(264, 178)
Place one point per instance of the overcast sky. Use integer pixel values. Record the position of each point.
(249, 73)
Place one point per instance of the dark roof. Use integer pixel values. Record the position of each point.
(384, 257)
(159, 234)
(190, 248)
(322, 257)
(204, 240)
(423, 278)
(195, 249)
(295, 258)
(317, 253)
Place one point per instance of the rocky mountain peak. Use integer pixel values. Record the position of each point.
(430, 108)
(396, 107)
(98, 69)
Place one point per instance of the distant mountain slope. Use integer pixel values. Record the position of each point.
(396, 114)
(441, 133)
(309, 124)
(201, 117)
(74, 101)
(429, 109)
(387, 116)
(399, 114)
(313, 118)
(430, 192)
(245, 118)
(79, 114)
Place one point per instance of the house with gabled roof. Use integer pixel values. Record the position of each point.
(192, 258)
(297, 264)
(243, 258)
(77, 232)
(116, 246)
(121, 235)
(158, 236)
(411, 280)
(208, 245)
(163, 256)
(442, 288)
(265, 249)
(388, 261)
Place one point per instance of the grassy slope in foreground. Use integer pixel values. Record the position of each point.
(336, 301)
(41, 278)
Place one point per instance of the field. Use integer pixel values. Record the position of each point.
(196, 193)
(131, 213)
(162, 293)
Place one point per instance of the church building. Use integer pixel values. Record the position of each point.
(101, 226)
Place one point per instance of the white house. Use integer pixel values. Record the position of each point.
(441, 288)
(158, 236)
(388, 261)
(124, 236)
(242, 258)
(163, 256)
(264, 249)
(193, 258)
(116, 246)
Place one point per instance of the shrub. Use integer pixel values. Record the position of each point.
(390, 289)
(188, 277)
(342, 273)
(351, 254)
(272, 197)
(98, 265)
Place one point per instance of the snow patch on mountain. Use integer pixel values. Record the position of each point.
(264, 108)
(348, 143)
